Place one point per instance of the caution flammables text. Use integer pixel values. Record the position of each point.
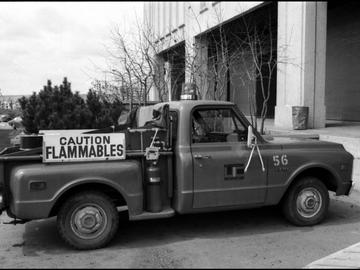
(83, 147)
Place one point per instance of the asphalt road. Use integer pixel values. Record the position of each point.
(246, 238)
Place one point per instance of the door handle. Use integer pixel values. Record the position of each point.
(198, 156)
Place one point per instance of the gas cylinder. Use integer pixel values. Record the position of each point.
(153, 188)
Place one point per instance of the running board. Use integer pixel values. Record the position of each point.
(165, 213)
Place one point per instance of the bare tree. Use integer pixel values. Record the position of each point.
(216, 70)
(135, 66)
(256, 48)
(131, 66)
(219, 61)
(246, 51)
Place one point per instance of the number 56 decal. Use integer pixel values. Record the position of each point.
(280, 160)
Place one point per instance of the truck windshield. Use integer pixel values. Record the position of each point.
(140, 116)
(143, 115)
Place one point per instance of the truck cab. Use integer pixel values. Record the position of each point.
(213, 142)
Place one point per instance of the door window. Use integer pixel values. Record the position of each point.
(217, 125)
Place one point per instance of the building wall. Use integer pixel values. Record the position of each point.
(178, 22)
(165, 19)
(342, 62)
(301, 39)
(189, 19)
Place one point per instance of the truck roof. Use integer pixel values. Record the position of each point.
(188, 104)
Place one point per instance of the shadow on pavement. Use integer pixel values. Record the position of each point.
(42, 236)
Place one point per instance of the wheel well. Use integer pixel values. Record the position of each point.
(322, 174)
(114, 194)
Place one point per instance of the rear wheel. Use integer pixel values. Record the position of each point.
(88, 220)
(306, 203)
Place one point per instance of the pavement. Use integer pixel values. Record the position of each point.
(251, 238)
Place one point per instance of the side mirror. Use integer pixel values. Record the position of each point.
(250, 137)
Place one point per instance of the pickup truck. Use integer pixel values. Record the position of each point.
(206, 157)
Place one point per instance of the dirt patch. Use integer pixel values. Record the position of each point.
(157, 257)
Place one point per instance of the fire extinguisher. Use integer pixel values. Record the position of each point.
(153, 188)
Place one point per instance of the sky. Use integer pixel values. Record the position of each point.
(51, 40)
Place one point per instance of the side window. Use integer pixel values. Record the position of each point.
(217, 125)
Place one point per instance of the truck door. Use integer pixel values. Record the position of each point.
(220, 154)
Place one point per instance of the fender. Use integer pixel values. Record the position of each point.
(130, 200)
(82, 181)
(313, 165)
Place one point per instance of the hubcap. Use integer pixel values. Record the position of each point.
(309, 202)
(88, 221)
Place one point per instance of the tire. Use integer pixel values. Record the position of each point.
(306, 202)
(88, 220)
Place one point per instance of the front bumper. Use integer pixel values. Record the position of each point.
(345, 188)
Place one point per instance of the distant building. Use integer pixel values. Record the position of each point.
(322, 40)
(10, 102)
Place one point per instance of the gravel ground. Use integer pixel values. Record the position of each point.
(257, 238)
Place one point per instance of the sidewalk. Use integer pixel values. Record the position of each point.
(336, 128)
(345, 258)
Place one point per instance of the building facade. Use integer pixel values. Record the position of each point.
(313, 47)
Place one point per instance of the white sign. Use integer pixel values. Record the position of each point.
(83, 147)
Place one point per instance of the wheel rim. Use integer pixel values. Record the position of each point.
(309, 202)
(88, 221)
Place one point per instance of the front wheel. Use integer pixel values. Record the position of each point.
(306, 203)
(88, 220)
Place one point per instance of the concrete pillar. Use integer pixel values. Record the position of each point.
(167, 78)
(301, 61)
(189, 38)
(196, 64)
(159, 86)
(201, 65)
(190, 53)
